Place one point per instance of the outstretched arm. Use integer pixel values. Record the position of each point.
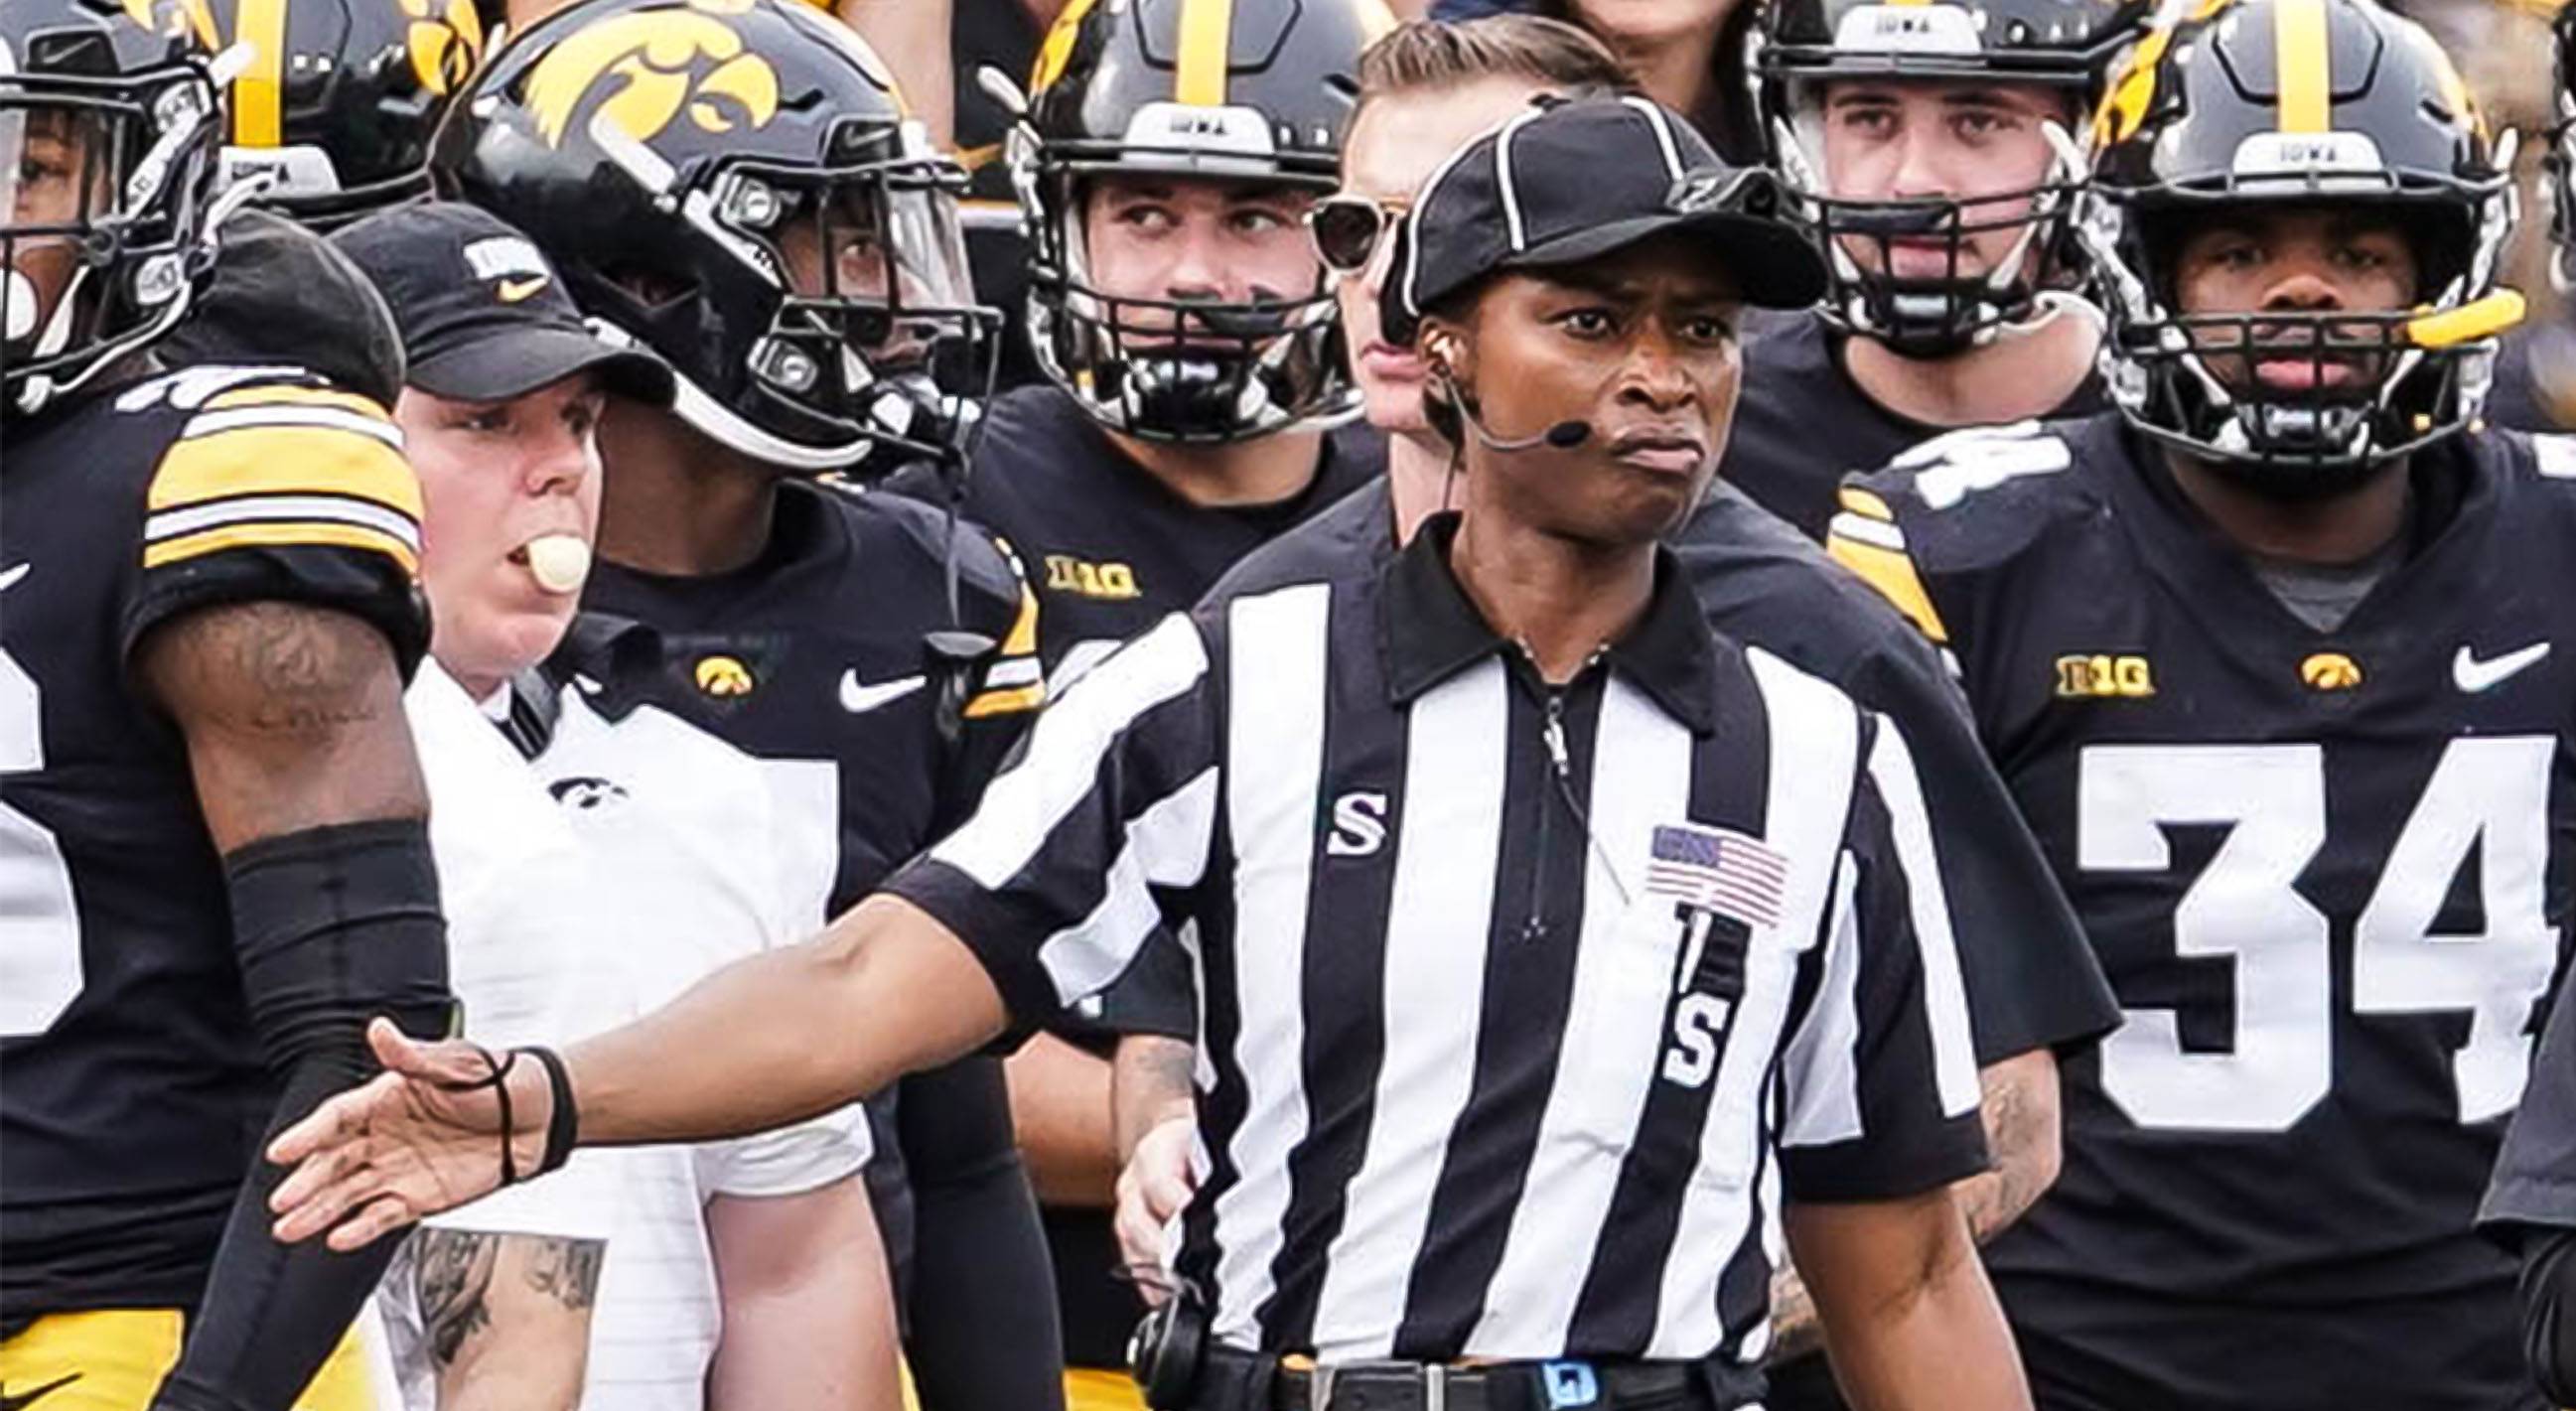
(771, 1039)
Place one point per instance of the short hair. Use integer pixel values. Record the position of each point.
(1430, 55)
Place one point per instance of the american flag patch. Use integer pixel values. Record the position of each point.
(1720, 869)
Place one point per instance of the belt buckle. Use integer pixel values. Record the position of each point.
(1433, 1377)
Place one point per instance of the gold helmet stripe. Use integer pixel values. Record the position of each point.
(259, 95)
(1207, 30)
(1058, 48)
(2300, 48)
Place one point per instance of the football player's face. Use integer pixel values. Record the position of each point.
(1921, 139)
(1227, 242)
(1386, 157)
(2304, 259)
(843, 252)
(1640, 345)
(52, 180)
(495, 479)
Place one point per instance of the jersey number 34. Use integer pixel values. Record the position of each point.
(2488, 798)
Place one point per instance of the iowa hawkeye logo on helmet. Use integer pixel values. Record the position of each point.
(642, 69)
(445, 45)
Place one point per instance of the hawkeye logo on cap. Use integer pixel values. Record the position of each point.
(644, 68)
(514, 262)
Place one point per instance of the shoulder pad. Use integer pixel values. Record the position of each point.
(1966, 499)
(275, 461)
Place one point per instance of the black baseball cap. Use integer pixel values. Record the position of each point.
(1566, 183)
(484, 315)
(282, 296)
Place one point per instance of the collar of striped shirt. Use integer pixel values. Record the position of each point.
(1430, 631)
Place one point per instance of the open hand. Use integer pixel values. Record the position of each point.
(421, 1137)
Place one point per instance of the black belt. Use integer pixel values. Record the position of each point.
(1509, 1386)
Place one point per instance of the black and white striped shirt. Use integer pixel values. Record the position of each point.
(1524, 1009)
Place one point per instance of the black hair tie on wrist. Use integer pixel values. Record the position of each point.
(563, 1124)
(498, 1081)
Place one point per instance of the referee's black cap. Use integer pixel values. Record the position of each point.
(1566, 183)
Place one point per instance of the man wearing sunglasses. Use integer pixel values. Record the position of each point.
(1195, 378)
(1929, 148)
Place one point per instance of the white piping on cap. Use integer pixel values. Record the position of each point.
(1514, 227)
(1661, 126)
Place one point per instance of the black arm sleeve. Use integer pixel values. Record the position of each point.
(2549, 1312)
(334, 925)
(981, 1311)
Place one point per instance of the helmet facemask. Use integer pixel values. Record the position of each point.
(1920, 313)
(106, 234)
(872, 342)
(2378, 384)
(1190, 370)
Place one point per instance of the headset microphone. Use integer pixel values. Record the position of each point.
(1564, 436)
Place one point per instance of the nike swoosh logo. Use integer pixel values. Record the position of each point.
(858, 697)
(19, 1400)
(2472, 675)
(516, 290)
(9, 579)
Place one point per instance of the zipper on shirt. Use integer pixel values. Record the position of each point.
(1560, 764)
(1552, 733)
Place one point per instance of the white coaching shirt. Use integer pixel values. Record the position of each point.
(630, 859)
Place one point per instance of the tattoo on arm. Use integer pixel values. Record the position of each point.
(1795, 1331)
(293, 716)
(1151, 1077)
(453, 1275)
(2017, 1125)
(566, 1269)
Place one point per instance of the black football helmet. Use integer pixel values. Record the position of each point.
(1257, 91)
(2298, 101)
(335, 110)
(109, 119)
(1799, 46)
(735, 184)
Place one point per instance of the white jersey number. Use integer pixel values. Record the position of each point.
(40, 949)
(2489, 795)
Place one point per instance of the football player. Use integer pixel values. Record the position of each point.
(2268, 657)
(1928, 144)
(1194, 372)
(333, 115)
(761, 215)
(213, 855)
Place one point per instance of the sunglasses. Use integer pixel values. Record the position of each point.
(1346, 229)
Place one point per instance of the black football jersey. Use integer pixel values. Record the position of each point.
(134, 1090)
(1802, 424)
(2325, 873)
(1111, 549)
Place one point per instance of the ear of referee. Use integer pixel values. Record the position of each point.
(1557, 955)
